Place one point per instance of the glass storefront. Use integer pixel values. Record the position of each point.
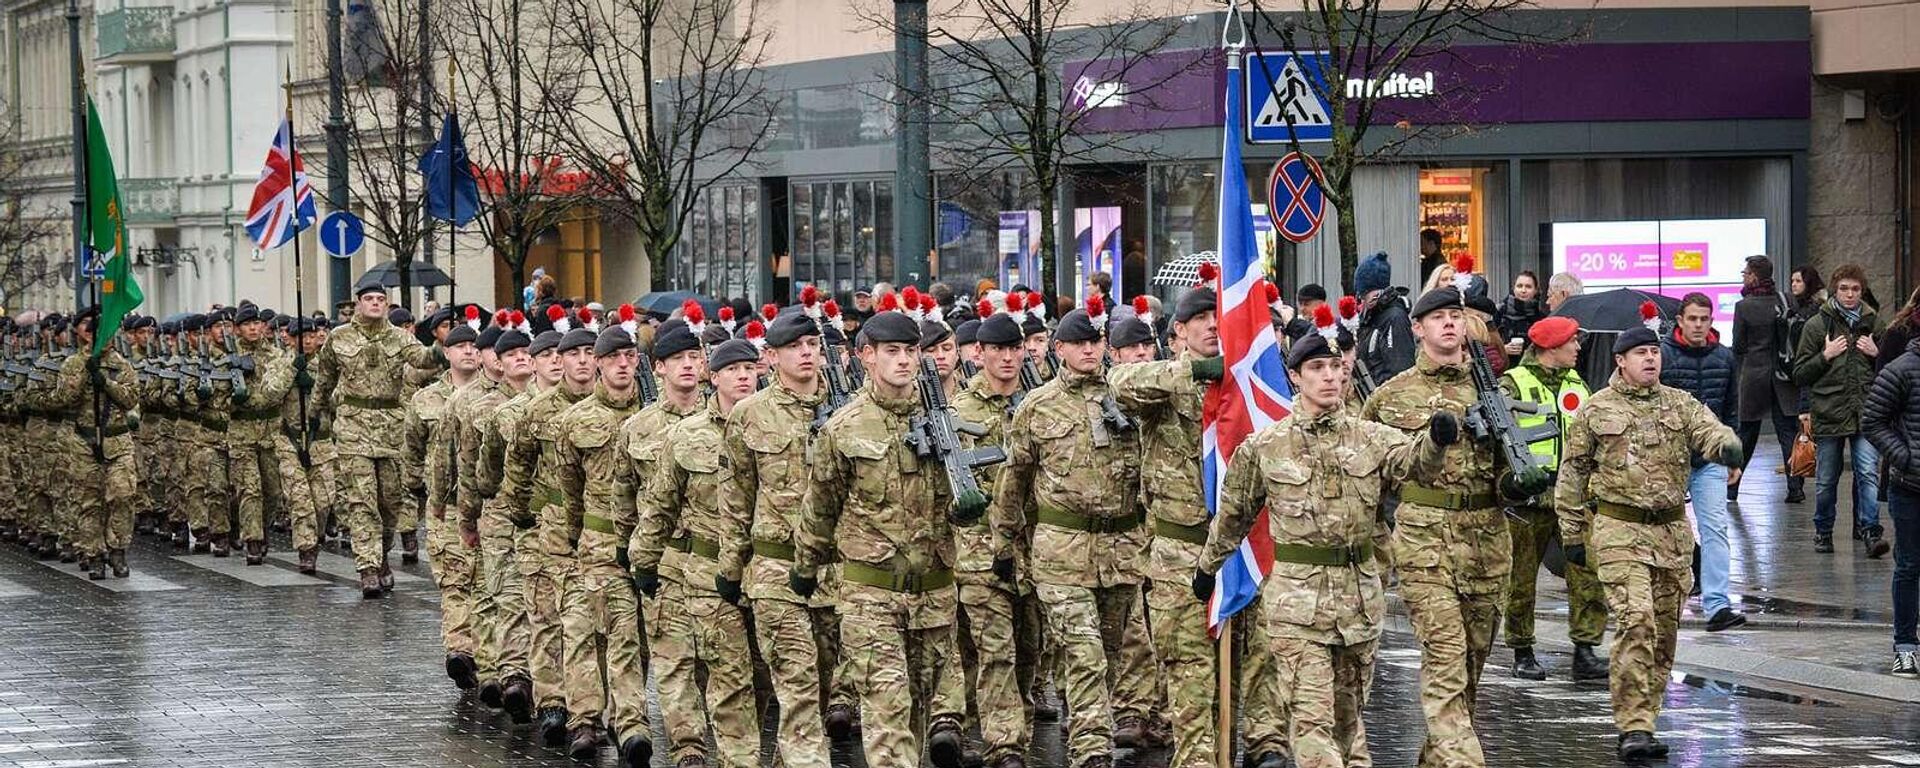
(842, 233)
(719, 252)
(982, 230)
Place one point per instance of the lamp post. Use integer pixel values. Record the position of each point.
(912, 175)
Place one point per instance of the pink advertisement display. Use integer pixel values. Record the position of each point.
(1674, 257)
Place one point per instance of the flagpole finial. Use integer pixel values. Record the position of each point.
(1233, 31)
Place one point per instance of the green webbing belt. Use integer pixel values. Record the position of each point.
(1060, 518)
(598, 523)
(1454, 500)
(1640, 515)
(1191, 534)
(1352, 554)
(371, 403)
(916, 583)
(773, 550)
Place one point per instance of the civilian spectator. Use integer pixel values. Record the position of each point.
(1904, 327)
(1696, 362)
(1890, 421)
(1431, 256)
(1311, 295)
(1102, 283)
(1764, 353)
(1560, 287)
(1386, 325)
(862, 307)
(1519, 311)
(1834, 366)
(1479, 324)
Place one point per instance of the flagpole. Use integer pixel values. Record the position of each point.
(299, 274)
(84, 161)
(1223, 742)
(453, 232)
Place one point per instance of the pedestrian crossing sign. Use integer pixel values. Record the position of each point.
(1286, 97)
(96, 267)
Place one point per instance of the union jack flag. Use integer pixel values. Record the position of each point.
(282, 199)
(1254, 393)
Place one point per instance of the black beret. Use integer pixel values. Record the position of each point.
(170, 328)
(787, 329)
(399, 316)
(544, 342)
(1076, 327)
(1032, 325)
(732, 352)
(999, 331)
(673, 340)
(933, 332)
(890, 327)
(510, 341)
(611, 340)
(1129, 332)
(575, 339)
(1439, 298)
(832, 335)
(1307, 348)
(715, 334)
(247, 314)
(489, 335)
(367, 285)
(305, 325)
(193, 322)
(460, 334)
(1637, 336)
(967, 333)
(668, 326)
(1480, 303)
(1194, 303)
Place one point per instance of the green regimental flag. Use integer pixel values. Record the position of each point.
(107, 235)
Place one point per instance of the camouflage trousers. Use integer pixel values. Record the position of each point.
(606, 673)
(1532, 530)
(1326, 689)
(258, 488)
(990, 649)
(1088, 625)
(70, 457)
(1455, 631)
(209, 487)
(1646, 603)
(371, 488)
(498, 597)
(790, 640)
(104, 500)
(899, 653)
(545, 579)
(701, 636)
(152, 435)
(308, 490)
(1187, 656)
(453, 572)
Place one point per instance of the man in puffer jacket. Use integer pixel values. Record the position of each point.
(1833, 365)
(1891, 418)
(1386, 327)
(1694, 360)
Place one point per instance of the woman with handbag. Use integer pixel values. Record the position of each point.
(1763, 355)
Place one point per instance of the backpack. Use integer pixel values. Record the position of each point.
(1786, 336)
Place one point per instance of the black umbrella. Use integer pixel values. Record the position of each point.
(663, 303)
(420, 274)
(1604, 316)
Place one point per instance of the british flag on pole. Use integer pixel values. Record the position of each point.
(282, 199)
(1254, 392)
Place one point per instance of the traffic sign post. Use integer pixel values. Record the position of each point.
(1286, 98)
(1296, 201)
(341, 234)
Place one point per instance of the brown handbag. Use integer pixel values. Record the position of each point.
(1800, 462)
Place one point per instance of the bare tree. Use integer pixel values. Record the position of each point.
(515, 74)
(673, 103)
(1369, 39)
(27, 232)
(997, 98)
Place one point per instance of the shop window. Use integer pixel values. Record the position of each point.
(842, 233)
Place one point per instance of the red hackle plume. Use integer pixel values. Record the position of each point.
(757, 333)
(1143, 308)
(557, 317)
(1095, 307)
(888, 302)
(1349, 307)
(769, 311)
(1209, 272)
(984, 309)
(1462, 262)
(1273, 292)
(500, 318)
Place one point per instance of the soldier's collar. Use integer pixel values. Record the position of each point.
(1619, 383)
(899, 405)
(1430, 366)
(782, 391)
(608, 397)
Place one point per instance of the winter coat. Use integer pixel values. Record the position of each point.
(1516, 317)
(1754, 347)
(1706, 372)
(1386, 335)
(1892, 416)
(1835, 389)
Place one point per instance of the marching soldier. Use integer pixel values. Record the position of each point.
(680, 503)
(1320, 473)
(471, 414)
(767, 436)
(1546, 378)
(358, 372)
(1071, 486)
(97, 392)
(882, 511)
(431, 480)
(253, 437)
(1622, 491)
(605, 665)
(1450, 546)
(211, 493)
(304, 417)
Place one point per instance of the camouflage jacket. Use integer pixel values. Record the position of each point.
(358, 375)
(767, 436)
(978, 545)
(468, 418)
(1321, 478)
(682, 499)
(256, 422)
(1060, 457)
(1468, 548)
(496, 434)
(1630, 445)
(428, 464)
(530, 488)
(72, 397)
(870, 500)
(643, 440)
(599, 493)
(1166, 400)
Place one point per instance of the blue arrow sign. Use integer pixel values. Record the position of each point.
(341, 234)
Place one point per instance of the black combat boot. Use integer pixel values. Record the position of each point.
(944, 744)
(409, 548)
(462, 671)
(516, 696)
(181, 538)
(1525, 666)
(95, 566)
(220, 548)
(49, 547)
(67, 555)
(370, 584)
(309, 560)
(386, 576)
(117, 560)
(1130, 732)
(636, 751)
(839, 719)
(553, 726)
(583, 742)
(1658, 748)
(202, 541)
(256, 552)
(490, 694)
(1636, 745)
(143, 523)
(1588, 665)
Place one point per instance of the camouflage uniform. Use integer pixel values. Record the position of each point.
(767, 436)
(531, 535)
(358, 373)
(1533, 525)
(882, 512)
(1076, 485)
(605, 664)
(681, 503)
(643, 439)
(211, 493)
(1627, 459)
(314, 482)
(429, 476)
(253, 438)
(1320, 477)
(107, 482)
(153, 445)
(1452, 553)
(1165, 398)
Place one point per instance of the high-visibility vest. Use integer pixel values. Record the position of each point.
(1558, 404)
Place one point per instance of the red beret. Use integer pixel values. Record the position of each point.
(1552, 332)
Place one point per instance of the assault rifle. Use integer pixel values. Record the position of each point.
(839, 391)
(1490, 419)
(204, 371)
(1363, 383)
(935, 434)
(649, 389)
(1029, 380)
(1110, 413)
(237, 366)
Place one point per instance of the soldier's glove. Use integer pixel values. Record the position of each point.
(204, 391)
(728, 588)
(95, 375)
(1731, 456)
(1209, 369)
(803, 586)
(241, 395)
(1444, 429)
(1576, 554)
(1202, 584)
(967, 508)
(1003, 569)
(523, 520)
(301, 378)
(646, 581)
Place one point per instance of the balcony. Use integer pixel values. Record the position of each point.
(135, 34)
(150, 201)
